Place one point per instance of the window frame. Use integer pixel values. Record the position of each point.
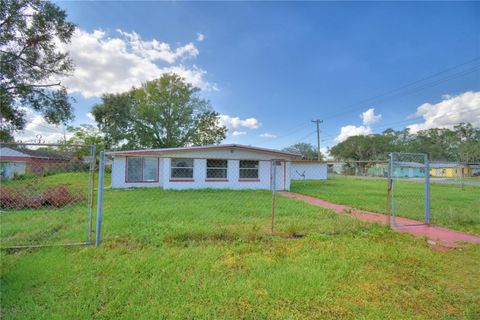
(182, 179)
(249, 179)
(142, 171)
(216, 168)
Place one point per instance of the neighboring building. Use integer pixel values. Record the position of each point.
(475, 170)
(408, 169)
(378, 170)
(14, 160)
(308, 170)
(450, 170)
(228, 166)
(336, 167)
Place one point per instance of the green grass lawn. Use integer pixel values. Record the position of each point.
(453, 206)
(207, 254)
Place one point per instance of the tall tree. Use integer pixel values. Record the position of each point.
(371, 147)
(29, 59)
(167, 112)
(462, 143)
(87, 135)
(115, 119)
(307, 151)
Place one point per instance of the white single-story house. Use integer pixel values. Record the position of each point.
(228, 166)
(308, 170)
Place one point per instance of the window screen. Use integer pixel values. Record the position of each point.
(248, 169)
(181, 168)
(150, 169)
(134, 169)
(142, 169)
(217, 169)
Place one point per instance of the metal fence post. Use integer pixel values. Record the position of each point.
(101, 175)
(273, 180)
(389, 188)
(91, 193)
(427, 190)
(392, 176)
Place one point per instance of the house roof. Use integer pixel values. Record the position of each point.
(409, 164)
(209, 147)
(39, 154)
(445, 165)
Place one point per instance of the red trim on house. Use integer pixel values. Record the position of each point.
(248, 180)
(182, 180)
(147, 152)
(216, 180)
(142, 181)
(310, 161)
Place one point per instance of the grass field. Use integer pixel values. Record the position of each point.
(452, 206)
(207, 254)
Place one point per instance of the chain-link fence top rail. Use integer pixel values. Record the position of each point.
(46, 194)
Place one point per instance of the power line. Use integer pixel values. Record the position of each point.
(413, 90)
(317, 122)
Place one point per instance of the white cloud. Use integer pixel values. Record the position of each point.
(38, 130)
(200, 37)
(233, 123)
(449, 112)
(156, 50)
(369, 117)
(115, 64)
(268, 135)
(351, 130)
(90, 116)
(238, 133)
(325, 152)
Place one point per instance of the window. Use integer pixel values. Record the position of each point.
(142, 169)
(248, 169)
(181, 169)
(217, 169)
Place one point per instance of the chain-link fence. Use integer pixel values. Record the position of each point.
(46, 194)
(181, 199)
(454, 188)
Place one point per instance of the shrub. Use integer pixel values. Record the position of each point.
(60, 196)
(19, 198)
(11, 199)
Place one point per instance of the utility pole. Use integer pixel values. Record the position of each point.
(318, 121)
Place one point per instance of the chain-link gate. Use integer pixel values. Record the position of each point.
(181, 189)
(405, 171)
(46, 194)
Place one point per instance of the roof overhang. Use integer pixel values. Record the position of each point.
(203, 148)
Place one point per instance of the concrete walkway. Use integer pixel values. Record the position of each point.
(439, 238)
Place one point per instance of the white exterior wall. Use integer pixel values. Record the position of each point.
(233, 182)
(200, 174)
(8, 169)
(312, 170)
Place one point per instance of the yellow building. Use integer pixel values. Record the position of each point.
(450, 170)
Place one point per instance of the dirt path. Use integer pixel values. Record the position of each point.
(438, 237)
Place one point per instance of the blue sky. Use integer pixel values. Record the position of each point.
(283, 64)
